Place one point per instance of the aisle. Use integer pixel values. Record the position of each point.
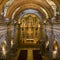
(23, 55)
(30, 54)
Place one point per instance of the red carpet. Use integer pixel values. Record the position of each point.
(23, 55)
(37, 55)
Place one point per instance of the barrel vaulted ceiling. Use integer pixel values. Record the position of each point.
(46, 8)
(12, 8)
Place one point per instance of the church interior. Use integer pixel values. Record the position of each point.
(29, 29)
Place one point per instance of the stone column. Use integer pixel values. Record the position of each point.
(51, 41)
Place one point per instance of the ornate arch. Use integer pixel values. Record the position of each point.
(41, 4)
(30, 6)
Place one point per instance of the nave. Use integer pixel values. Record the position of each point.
(29, 54)
(29, 29)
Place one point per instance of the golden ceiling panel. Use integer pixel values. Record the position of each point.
(2, 3)
(18, 3)
(41, 3)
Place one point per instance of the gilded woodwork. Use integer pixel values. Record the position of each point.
(30, 29)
